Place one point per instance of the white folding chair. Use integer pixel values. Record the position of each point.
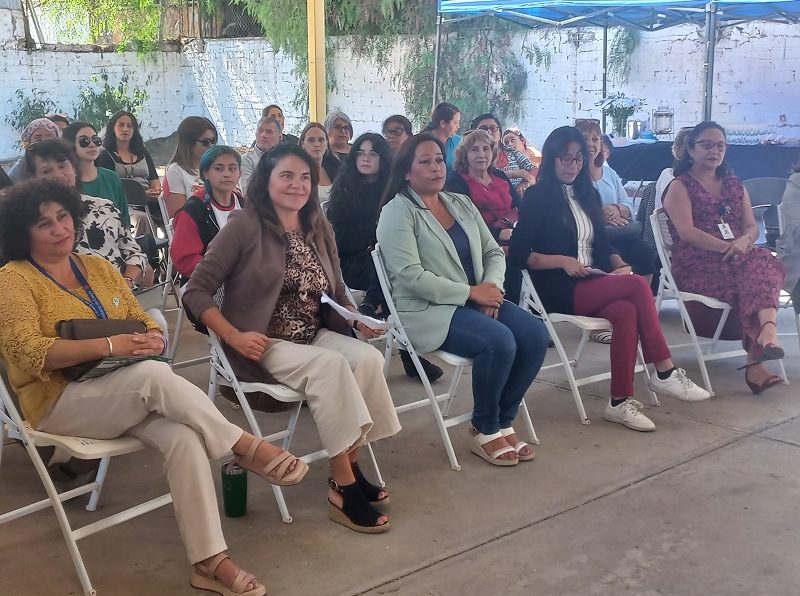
(12, 425)
(704, 349)
(529, 300)
(222, 373)
(397, 334)
(172, 288)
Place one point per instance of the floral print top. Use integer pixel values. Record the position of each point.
(104, 235)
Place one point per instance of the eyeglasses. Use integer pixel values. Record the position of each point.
(340, 128)
(393, 132)
(568, 159)
(492, 128)
(84, 141)
(207, 142)
(709, 145)
(367, 154)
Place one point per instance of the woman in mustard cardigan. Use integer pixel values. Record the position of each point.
(45, 282)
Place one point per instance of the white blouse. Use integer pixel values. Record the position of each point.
(584, 226)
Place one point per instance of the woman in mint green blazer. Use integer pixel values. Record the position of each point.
(446, 272)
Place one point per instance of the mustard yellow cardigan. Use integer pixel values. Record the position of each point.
(30, 307)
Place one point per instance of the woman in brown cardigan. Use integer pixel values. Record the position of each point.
(275, 258)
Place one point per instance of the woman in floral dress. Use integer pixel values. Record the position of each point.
(714, 229)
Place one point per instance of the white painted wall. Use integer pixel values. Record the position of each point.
(756, 80)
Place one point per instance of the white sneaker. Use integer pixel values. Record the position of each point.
(679, 386)
(629, 413)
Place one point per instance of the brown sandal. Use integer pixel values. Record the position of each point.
(276, 471)
(203, 579)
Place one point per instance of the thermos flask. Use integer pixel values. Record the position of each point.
(234, 489)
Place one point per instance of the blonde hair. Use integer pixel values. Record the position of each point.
(468, 141)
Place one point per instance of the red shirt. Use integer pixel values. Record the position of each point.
(493, 201)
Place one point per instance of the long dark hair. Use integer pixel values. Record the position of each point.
(444, 111)
(402, 166)
(311, 217)
(136, 144)
(684, 163)
(583, 189)
(350, 183)
(70, 134)
(330, 161)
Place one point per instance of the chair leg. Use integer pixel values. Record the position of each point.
(213, 379)
(569, 373)
(437, 412)
(387, 354)
(375, 467)
(526, 416)
(698, 351)
(176, 335)
(63, 520)
(281, 501)
(451, 390)
(99, 479)
(650, 392)
(581, 346)
(797, 322)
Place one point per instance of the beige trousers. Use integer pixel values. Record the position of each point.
(150, 402)
(342, 379)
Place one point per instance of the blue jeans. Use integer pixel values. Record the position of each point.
(507, 354)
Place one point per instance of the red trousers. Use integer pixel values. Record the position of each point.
(626, 301)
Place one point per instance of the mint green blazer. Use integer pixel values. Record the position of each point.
(428, 281)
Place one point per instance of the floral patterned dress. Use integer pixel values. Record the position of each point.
(749, 282)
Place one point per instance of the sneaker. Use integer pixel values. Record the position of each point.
(603, 336)
(629, 413)
(679, 386)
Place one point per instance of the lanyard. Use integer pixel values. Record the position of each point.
(93, 302)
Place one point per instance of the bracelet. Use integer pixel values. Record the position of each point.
(130, 279)
(110, 347)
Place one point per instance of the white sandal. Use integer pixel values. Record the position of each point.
(479, 440)
(519, 446)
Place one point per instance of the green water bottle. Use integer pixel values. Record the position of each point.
(234, 489)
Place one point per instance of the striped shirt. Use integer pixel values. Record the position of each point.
(584, 227)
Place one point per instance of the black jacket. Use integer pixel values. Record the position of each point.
(458, 184)
(546, 226)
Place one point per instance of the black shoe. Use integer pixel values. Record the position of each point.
(371, 492)
(356, 512)
(433, 372)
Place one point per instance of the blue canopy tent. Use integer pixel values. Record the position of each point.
(646, 15)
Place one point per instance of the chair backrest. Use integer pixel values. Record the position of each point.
(529, 297)
(663, 238)
(134, 192)
(766, 190)
(168, 222)
(396, 330)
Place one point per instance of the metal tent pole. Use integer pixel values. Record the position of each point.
(708, 67)
(436, 58)
(605, 73)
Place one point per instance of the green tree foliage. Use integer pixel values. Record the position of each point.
(136, 22)
(479, 70)
(96, 106)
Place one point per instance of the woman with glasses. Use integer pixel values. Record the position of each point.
(126, 154)
(714, 233)
(314, 140)
(396, 130)
(511, 162)
(340, 131)
(182, 180)
(94, 181)
(561, 240)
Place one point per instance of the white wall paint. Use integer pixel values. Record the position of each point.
(756, 80)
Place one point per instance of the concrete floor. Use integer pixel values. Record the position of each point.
(706, 505)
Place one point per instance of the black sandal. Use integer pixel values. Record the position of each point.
(371, 492)
(356, 512)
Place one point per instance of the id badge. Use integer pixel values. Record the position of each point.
(725, 230)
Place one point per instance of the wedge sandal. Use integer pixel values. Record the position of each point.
(356, 512)
(519, 446)
(479, 440)
(276, 471)
(203, 579)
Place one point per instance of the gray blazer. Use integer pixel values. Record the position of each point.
(428, 281)
(788, 244)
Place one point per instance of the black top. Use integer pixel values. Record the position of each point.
(461, 242)
(107, 159)
(354, 220)
(546, 226)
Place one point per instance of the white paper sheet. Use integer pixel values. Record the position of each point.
(349, 315)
